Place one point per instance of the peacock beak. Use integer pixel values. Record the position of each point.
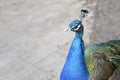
(67, 29)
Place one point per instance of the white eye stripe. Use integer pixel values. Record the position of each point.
(78, 27)
(75, 26)
(72, 27)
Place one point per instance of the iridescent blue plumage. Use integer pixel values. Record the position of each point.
(75, 67)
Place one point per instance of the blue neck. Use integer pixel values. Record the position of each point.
(75, 67)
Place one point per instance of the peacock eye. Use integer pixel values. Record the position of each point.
(75, 26)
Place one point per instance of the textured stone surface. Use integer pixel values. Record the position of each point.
(107, 21)
(33, 45)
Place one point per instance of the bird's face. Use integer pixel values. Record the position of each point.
(75, 26)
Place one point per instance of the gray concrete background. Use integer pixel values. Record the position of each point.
(33, 45)
(107, 21)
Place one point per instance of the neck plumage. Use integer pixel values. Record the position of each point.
(75, 67)
(76, 52)
(76, 59)
(77, 47)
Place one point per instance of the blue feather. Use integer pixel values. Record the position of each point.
(75, 67)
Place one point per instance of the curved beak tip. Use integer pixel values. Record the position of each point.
(66, 29)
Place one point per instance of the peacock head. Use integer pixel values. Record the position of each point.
(75, 26)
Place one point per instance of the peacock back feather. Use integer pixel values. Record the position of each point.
(111, 49)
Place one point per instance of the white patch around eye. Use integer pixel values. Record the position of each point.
(78, 27)
(72, 27)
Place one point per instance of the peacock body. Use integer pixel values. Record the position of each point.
(103, 59)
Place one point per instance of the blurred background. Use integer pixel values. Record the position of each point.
(33, 45)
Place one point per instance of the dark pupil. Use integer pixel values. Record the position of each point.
(75, 27)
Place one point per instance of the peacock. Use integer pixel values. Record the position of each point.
(98, 62)
(75, 66)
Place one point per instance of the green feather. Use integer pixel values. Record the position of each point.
(111, 49)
